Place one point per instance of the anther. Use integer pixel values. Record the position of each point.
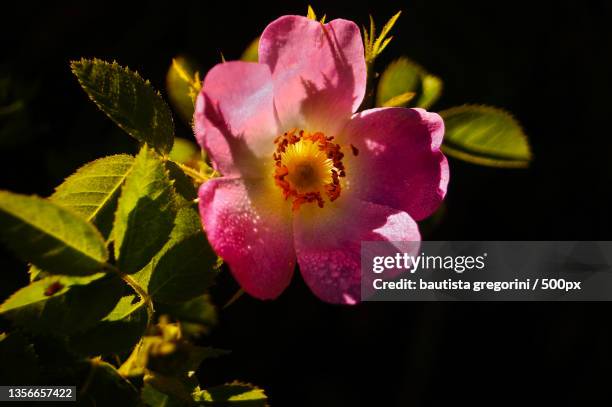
(323, 144)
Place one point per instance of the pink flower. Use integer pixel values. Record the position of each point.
(304, 177)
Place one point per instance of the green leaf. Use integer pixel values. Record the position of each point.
(399, 77)
(485, 135)
(155, 398)
(93, 190)
(178, 388)
(177, 359)
(184, 151)
(183, 85)
(232, 394)
(199, 310)
(104, 386)
(186, 265)
(404, 76)
(128, 100)
(145, 212)
(19, 360)
(186, 191)
(431, 90)
(400, 100)
(166, 352)
(119, 331)
(187, 168)
(63, 304)
(50, 236)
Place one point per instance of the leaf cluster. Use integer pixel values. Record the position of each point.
(119, 264)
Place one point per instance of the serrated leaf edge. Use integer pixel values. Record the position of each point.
(59, 188)
(173, 202)
(130, 72)
(237, 383)
(509, 163)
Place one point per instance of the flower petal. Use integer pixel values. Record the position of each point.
(234, 116)
(249, 226)
(399, 163)
(328, 244)
(319, 71)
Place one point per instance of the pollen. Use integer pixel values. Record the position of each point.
(308, 167)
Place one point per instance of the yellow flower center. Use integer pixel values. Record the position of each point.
(308, 167)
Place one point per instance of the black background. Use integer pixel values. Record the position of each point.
(546, 61)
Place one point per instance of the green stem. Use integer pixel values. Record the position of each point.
(196, 175)
(136, 287)
(234, 298)
(368, 100)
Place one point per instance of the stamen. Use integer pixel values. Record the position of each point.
(316, 167)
